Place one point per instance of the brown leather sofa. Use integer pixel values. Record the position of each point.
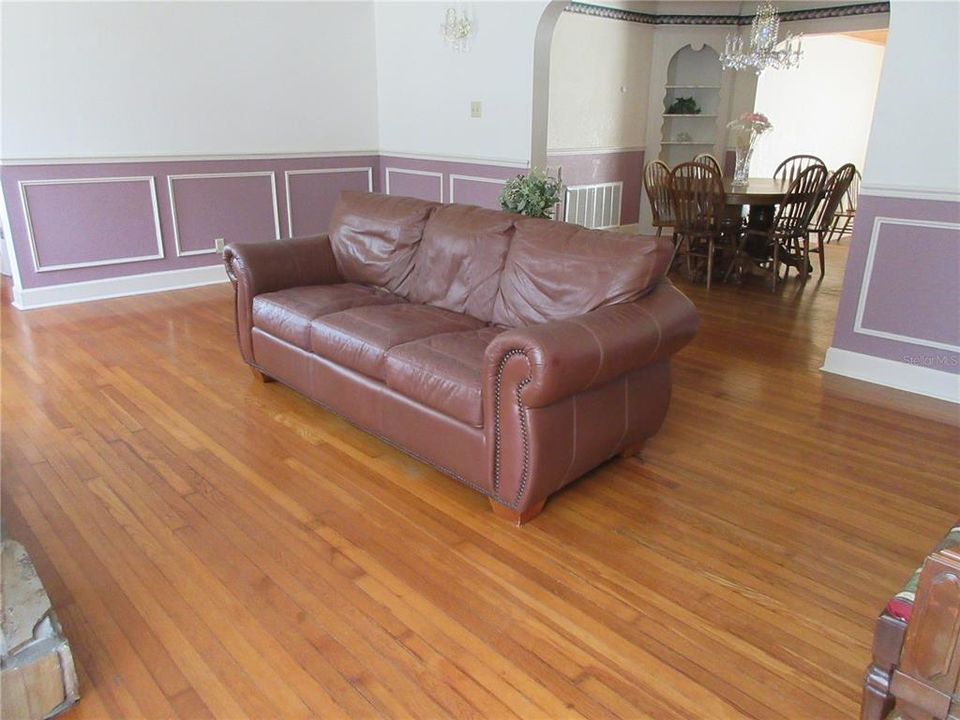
(513, 354)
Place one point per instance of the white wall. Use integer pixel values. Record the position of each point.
(599, 83)
(915, 141)
(95, 79)
(425, 88)
(824, 107)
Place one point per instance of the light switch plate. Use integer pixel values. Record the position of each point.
(476, 109)
(218, 245)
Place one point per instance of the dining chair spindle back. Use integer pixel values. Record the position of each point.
(847, 212)
(825, 217)
(699, 203)
(789, 228)
(656, 181)
(708, 159)
(791, 168)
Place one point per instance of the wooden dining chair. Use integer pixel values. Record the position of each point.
(699, 203)
(825, 215)
(708, 159)
(790, 224)
(847, 212)
(790, 168)
(656, 181)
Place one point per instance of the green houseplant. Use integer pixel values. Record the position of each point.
(535, 194)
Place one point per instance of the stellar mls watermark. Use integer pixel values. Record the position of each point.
(935, 361)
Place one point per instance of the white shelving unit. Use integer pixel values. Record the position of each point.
(696, 74)
(685, 63)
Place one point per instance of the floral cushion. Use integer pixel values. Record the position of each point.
(902, 604)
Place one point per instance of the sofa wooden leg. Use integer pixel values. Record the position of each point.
(632, 450)
(261, 377)
(517, 518)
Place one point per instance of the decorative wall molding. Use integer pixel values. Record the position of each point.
(470, 178)
(609, 13)
(910, 192)
(31, 237)
(406, 171)
(32, 298)
(595, 151)
(463, 159)
(8, 247)
(319, 171)
(858, 326)
(901, 376)
(108, 159)
(212, 176)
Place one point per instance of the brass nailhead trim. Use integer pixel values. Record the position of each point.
(497, 466)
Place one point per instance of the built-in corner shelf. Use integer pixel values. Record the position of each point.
(691, 74)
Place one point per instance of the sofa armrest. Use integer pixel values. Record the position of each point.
(566, 357)
(262, 267)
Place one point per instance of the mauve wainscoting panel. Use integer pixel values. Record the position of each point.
(83, 222)
(452, 181)
(915, 266)
(591, 168)
(208, 206)
(312, 194)
(423, 184)
(101, 225)
(909, 252)
(475, 190)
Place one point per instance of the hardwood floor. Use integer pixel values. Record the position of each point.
(220, 548)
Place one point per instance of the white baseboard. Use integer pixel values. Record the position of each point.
(901, 376)
(32, 298)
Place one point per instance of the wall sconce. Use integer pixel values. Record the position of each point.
(457, 29)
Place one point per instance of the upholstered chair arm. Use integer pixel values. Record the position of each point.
(561, 397)
(278, 264)
(566, 357)
(260, 267)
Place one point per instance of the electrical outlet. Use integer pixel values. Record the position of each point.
(476, 109)
(218, 245)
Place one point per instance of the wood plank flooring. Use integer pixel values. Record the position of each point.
(221, 549)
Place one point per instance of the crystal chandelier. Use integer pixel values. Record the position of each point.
(457, 29)
(764, 51)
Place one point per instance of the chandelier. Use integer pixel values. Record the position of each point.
(457, 29)
(764, 51)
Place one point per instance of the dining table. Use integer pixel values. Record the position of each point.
(761, 196)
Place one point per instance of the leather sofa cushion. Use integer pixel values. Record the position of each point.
(443, 372)
(287, 314)
(460, 259)
(360, 338)
(375, 237)
(556, 271)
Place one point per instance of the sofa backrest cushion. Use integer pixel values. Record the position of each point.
(375, 238)
(460, 259)
(555, 271)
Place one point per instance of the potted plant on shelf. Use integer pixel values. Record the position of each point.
(535, 194)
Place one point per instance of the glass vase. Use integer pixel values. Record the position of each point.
(741, 172)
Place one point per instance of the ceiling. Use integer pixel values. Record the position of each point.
(874, 37)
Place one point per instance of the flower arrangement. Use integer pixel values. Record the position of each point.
(748, 127)
(534, 194)
(746, 130)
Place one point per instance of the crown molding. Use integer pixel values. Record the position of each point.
(609, 13)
